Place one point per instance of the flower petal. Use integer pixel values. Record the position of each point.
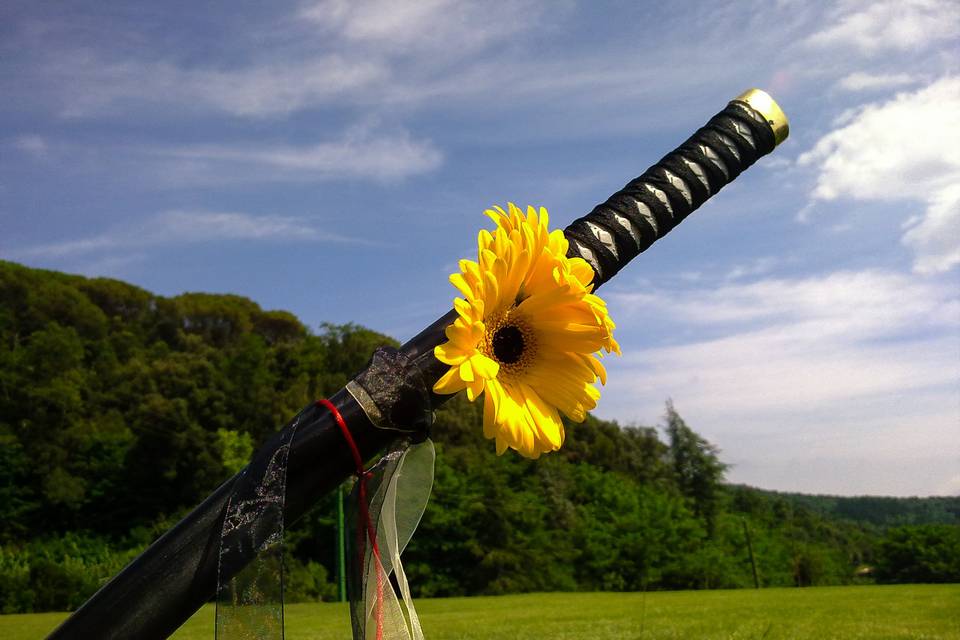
(486, 368)
(448, 353)
(449, 382)
(457, 280)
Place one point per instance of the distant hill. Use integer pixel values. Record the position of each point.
(881, 511)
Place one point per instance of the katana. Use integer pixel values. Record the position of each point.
(161, 588)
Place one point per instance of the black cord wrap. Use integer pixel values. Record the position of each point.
(648, 207)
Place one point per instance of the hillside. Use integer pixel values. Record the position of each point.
(882, 511)
(121, 409)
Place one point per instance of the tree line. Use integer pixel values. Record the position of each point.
(120, 410)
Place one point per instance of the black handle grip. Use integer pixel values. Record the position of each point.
(648, 207)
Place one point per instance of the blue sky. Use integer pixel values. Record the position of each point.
(333, 158)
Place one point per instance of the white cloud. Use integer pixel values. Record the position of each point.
(860, 81)
(183, 227)
(787, 373)
(91, 83)
(873, 27)
(935, 237)
(332, 53)
(753, 268)
(380, 55)
(33, 145)
(907, 148)
(360, 153)
(203, 226)
(902, 148)
(848, 305)
(456, 28)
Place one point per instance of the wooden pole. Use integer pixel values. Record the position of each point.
(341, 549)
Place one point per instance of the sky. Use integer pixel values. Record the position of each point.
(333, 158)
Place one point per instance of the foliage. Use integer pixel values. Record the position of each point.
(697, 469)
(925, 553)
(57, 573)
(882, 511)
(120, 410)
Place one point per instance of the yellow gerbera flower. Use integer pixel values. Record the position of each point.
(527, 333)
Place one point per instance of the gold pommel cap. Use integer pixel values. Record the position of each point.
(767, 106)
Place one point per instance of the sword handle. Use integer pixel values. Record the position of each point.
(163, 586)
(647, 208)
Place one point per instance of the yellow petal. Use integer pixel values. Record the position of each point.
(581, 270)
(484, 240)
(492, 397)
(460, 334)
(491, 290)
(466, 371)
(539, 303)
(449, 382)
(447, 353)
(485, 367)
(465, 310)
(457, 280)
(545, 419)
(474, 389)
(597, 367)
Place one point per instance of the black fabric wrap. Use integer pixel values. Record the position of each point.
(396, 384)
(725, 128)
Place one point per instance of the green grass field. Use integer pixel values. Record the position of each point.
(863, 612)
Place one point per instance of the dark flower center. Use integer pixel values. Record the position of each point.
(508, 344)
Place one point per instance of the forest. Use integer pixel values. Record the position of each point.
(120, 410)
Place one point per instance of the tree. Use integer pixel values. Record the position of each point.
(924, 553)
(697, 469)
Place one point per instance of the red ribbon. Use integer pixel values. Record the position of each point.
(367, 523)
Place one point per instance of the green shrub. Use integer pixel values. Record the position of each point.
(924, 553)
(307, 582)
(57, 573)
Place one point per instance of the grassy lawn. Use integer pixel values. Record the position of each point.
(863, 612)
